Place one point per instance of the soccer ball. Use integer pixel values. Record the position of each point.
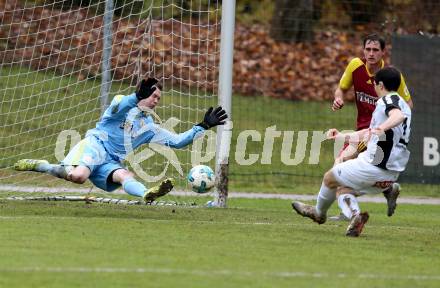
(201, 178)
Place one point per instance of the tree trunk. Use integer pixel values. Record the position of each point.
(292, 20)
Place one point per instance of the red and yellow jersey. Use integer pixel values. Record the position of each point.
(357, 75)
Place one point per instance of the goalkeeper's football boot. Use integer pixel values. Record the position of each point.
(158, 191)
(391, 196)
(357, 223)
(308, 211)
(29, 164)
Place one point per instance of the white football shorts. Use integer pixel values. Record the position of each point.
(364, 177)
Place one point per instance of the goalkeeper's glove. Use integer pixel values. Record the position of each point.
(213, 118)
(145, 88)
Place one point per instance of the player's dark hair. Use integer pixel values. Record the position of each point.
(146, 87)
(390, 77)
(375, 38)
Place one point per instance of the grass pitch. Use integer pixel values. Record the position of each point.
(253, 243)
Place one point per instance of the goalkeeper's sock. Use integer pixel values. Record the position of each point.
(43, 167)
(56, 170)
(134, 187)
(349, 205)
(325, 199)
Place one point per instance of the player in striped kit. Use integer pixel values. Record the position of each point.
(379, 166)
(123, 127)
(359, 75)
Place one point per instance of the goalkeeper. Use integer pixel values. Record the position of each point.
(99, 155)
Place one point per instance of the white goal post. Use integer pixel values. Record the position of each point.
(225, 94)
(61, 63)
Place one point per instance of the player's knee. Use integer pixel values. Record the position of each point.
(77, 177)
(339, 192)
(121, 175)
(127, 174)
(329, 180)
(343, 190)
(326, 179)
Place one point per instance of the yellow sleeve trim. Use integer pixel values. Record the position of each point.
(403, 89)
(362, 146)
(118, 98)
(347, 78)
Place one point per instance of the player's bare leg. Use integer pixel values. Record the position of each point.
(136, 188)
(79, 174)
(129, 184)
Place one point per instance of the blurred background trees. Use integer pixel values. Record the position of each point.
(296, 20)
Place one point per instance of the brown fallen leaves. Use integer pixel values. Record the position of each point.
(186, 54)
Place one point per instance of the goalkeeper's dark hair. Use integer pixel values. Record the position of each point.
(157, 84)
(390, 77)
(146, 87)
(375, 38)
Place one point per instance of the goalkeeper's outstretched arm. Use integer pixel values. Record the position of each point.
(212, 118)
(121, 104)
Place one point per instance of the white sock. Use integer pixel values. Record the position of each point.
(325, 199)
(349, 205)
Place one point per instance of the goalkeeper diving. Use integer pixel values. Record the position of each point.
(99, 156)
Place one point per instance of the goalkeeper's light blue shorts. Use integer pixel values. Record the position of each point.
(90, 152)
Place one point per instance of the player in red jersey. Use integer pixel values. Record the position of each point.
(360, 74)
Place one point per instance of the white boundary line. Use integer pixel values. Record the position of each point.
(282, 274)
(250, 195)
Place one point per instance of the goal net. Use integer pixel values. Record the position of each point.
(54, 83)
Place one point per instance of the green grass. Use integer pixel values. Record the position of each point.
(254, 243)
(36, 107)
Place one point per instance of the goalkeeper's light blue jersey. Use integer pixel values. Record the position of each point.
(123, 127)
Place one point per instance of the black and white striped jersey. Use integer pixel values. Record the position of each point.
(389, 151)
